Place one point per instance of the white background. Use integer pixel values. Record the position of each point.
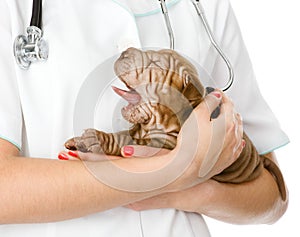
(271, 30)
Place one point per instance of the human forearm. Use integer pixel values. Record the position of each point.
(44, 190)
(253, 202)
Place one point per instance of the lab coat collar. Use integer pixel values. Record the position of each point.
(140, 8)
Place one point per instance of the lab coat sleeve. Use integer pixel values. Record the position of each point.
(10, 109)
(259, 121)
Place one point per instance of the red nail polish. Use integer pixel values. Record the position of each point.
(217, 94)
(128, 151)
(73, 153)
(63, 156)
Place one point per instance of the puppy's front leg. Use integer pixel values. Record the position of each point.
(99, 142)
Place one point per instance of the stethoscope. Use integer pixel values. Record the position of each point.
(32, 47)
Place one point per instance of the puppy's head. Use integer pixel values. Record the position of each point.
(150, 76)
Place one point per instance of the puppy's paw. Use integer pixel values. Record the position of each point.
(87, 142)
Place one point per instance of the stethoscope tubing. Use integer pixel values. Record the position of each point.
(200, 11)
(33, 47)
(36, 17)
(165, 13)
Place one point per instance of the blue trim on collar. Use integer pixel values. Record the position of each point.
(152, 12)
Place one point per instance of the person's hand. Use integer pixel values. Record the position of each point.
(85, 156)
(232, 145)
(215, 144)
(205, 147)
(180, 200)
(227, 140)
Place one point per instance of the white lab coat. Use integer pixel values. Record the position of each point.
(37, 106)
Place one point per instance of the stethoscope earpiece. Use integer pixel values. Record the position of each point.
(30, 48)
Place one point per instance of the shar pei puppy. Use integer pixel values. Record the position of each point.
(163, 88)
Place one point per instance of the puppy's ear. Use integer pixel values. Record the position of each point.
(193, 93)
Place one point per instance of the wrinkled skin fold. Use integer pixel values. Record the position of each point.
(163, 88)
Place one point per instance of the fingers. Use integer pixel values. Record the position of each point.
(68, 155)
(239, 131)
(233, 119)
(212, 102)
(226, 141)
(90, 156)
(126, 152)
(141, 151)
(234, 135)
(240, 148)
(84, 156)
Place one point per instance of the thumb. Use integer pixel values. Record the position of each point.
(213, 107)
(212, 103)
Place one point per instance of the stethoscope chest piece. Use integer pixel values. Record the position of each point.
(30, 48)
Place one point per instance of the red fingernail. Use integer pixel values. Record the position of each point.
(128, 151)
(73, 153)
(217, 94)
(243, 143)
(63, 156)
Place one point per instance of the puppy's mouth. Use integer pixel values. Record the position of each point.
(131, 96)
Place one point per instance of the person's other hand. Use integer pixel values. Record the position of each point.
(227, 137)
(231, 141)
(85, 156)
(205, 146)
(211, 145)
